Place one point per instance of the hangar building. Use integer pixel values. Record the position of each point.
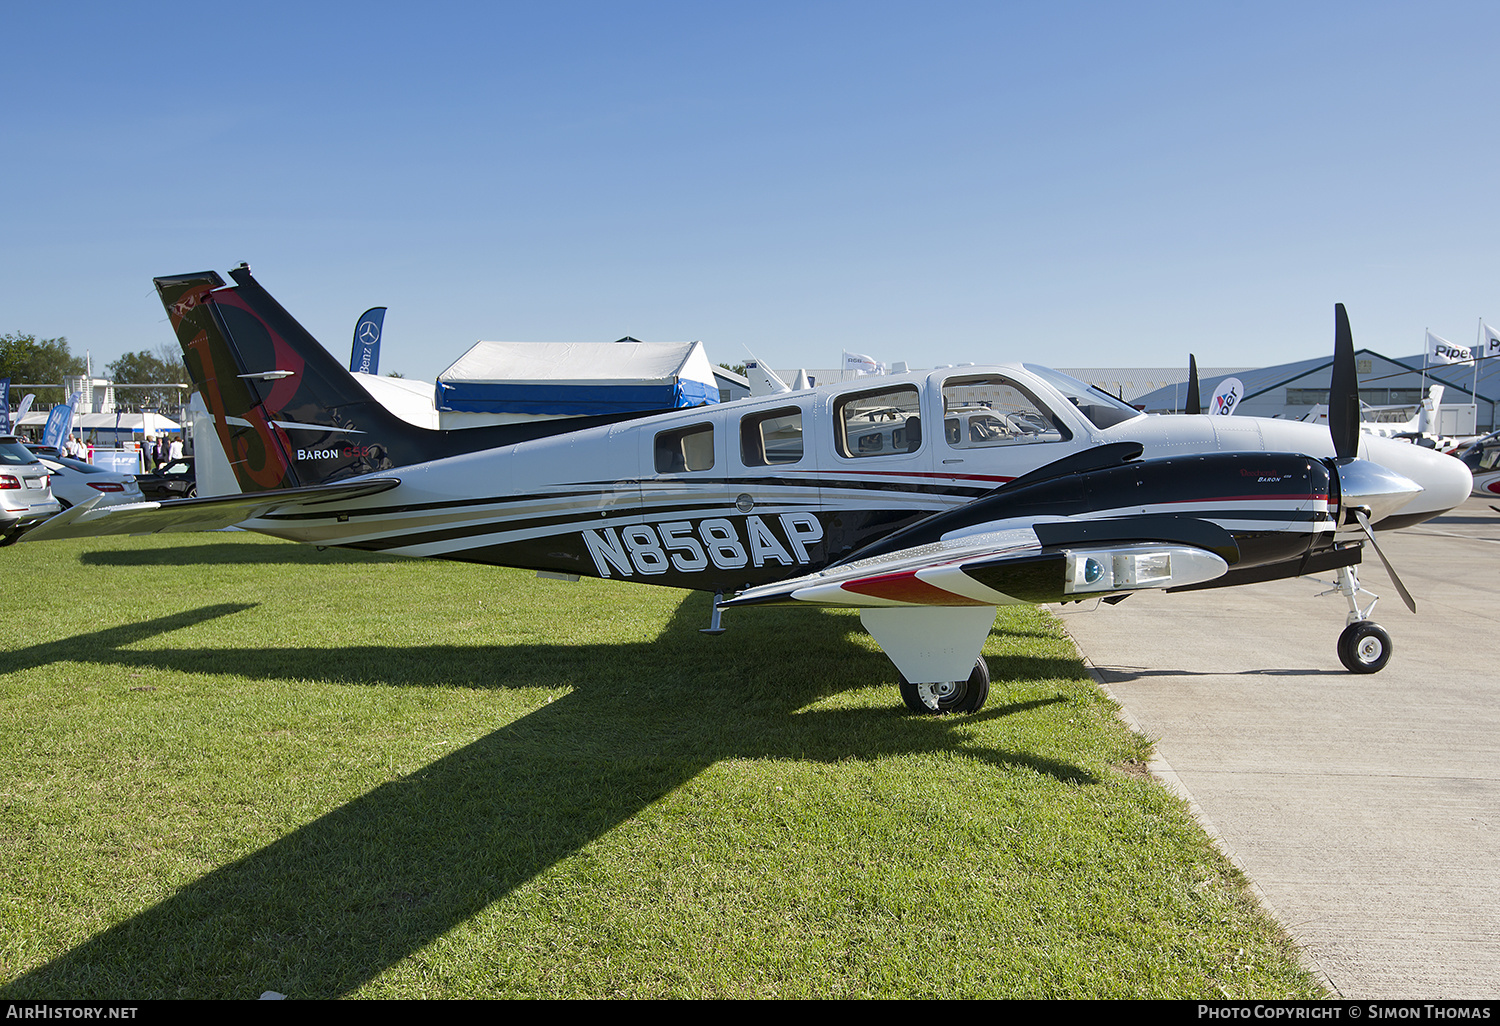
(1291, 390)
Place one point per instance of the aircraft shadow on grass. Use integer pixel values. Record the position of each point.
(233, 552)
(328, 907)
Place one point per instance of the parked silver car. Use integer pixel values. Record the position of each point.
(25, 490)
(74, 482)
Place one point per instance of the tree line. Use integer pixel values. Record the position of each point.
(28, 360)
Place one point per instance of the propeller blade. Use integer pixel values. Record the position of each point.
(1364, 522)
(1343, 389)
(1194, 402)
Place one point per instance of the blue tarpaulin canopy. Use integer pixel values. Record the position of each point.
(577, 378)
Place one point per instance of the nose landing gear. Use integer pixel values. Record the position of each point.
(1364, 646)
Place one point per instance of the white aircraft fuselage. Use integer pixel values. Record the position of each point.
(601, 502)
(925, 500)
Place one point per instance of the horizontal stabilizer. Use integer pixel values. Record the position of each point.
(208, 514)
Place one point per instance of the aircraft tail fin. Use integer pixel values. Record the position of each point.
(763, 380)
(286, 412)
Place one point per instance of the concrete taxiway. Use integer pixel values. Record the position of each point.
(1365, 808)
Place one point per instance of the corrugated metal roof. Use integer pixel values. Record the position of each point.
(1389, 373)
(1130, 383)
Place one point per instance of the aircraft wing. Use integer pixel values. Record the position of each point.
(207, 514)
(1049, 559)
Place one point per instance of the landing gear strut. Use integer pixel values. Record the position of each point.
(956, 696)
(715, 626)
(1364, 647)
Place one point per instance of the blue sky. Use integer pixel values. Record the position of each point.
(1073, 183)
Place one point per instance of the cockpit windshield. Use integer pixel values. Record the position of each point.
(1102, 409)
(1483, 455)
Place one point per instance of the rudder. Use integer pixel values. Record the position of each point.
(287, 413)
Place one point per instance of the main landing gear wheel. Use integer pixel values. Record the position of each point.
(1364, 647)
(955, 696)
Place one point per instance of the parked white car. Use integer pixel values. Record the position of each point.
(75, 482)
(25, 492)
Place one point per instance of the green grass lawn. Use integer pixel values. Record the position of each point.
(233, 764)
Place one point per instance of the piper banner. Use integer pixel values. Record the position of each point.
(1440, 350)
(1489, 342)
(1226, 397)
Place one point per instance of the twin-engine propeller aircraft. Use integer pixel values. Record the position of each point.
(924, 500)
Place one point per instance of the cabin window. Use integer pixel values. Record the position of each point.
(980, 412)
(1484, 459)
(1102, 409)
(685, 450)
(879, 423)
(771, 439)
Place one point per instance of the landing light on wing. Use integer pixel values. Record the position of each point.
(1099, 571)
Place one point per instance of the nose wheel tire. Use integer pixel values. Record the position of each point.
(953, 696)
(1364, 647)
